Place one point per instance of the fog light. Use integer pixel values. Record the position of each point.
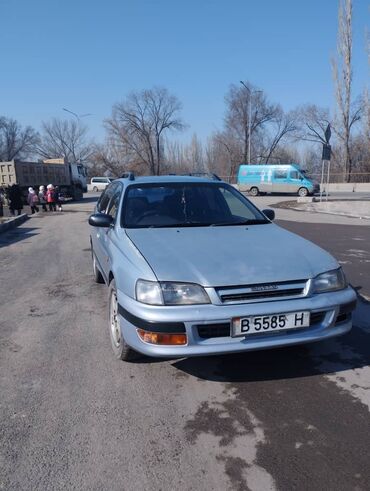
(162, 338)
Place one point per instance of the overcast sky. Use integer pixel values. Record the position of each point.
(87, 54)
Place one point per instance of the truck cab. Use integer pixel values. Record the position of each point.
(78, 176)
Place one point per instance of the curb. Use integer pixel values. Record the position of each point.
(348, 215)
(13, 222)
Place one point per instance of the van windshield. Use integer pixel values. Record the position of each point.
(294, 174)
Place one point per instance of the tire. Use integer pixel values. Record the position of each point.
(121, 349)
(254, 191)
(95, 189)
(98, 277)
(302, 192)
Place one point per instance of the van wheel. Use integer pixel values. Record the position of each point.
(121, 350)
(95, 189)
(302, 192)
(254, 191)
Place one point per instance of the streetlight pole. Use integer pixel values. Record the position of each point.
(250, 92)
(78, 117)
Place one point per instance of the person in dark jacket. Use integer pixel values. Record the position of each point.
(15, 200)
(58, 198)
(2, 201)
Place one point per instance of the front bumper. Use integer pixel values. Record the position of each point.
(134, 315)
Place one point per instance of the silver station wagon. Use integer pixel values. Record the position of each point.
(194, 268)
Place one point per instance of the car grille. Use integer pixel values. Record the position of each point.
(262, 292)
(207, 331)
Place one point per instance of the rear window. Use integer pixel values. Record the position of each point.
(100, 180)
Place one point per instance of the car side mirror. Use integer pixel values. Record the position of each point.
(100, 220)
(269, 213)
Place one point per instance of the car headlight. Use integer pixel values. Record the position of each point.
(169, 293)
(183, 294)
(329, 281)
(149, 292)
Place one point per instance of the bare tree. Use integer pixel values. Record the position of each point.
(176, 160)
(342, 72)
(228, 150)
(113, 159)
(195, 155)
(140, 122)
(238, 100)
(66, 139)
(283, 125)
(312, 122)
(15, 141)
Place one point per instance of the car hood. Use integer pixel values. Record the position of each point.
(226, 256)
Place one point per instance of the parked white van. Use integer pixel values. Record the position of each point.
(99, 183)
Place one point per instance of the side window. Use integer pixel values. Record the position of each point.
(294, 174)
(114, 203)
(281, 174)
(104, 199)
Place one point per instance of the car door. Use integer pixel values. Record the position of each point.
(98, 233)
(108, 235)
(295, 181)
(280, 181)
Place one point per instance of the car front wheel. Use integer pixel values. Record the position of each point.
(121, 349)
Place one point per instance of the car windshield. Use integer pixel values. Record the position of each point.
(195, 204)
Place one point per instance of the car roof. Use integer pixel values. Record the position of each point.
(165, 179)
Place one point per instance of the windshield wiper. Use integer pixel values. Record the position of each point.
(244, 222)
(178, 225)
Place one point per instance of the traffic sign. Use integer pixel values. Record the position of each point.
(326, 151)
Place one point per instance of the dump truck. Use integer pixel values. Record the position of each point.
(70, 178)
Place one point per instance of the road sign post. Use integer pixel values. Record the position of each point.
(326, 155)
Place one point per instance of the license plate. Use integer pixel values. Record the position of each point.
(242, 326)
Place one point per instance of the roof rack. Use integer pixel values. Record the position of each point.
(128, 175)
(209, 175)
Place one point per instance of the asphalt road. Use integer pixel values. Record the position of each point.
(73, 417)
(350, 244)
